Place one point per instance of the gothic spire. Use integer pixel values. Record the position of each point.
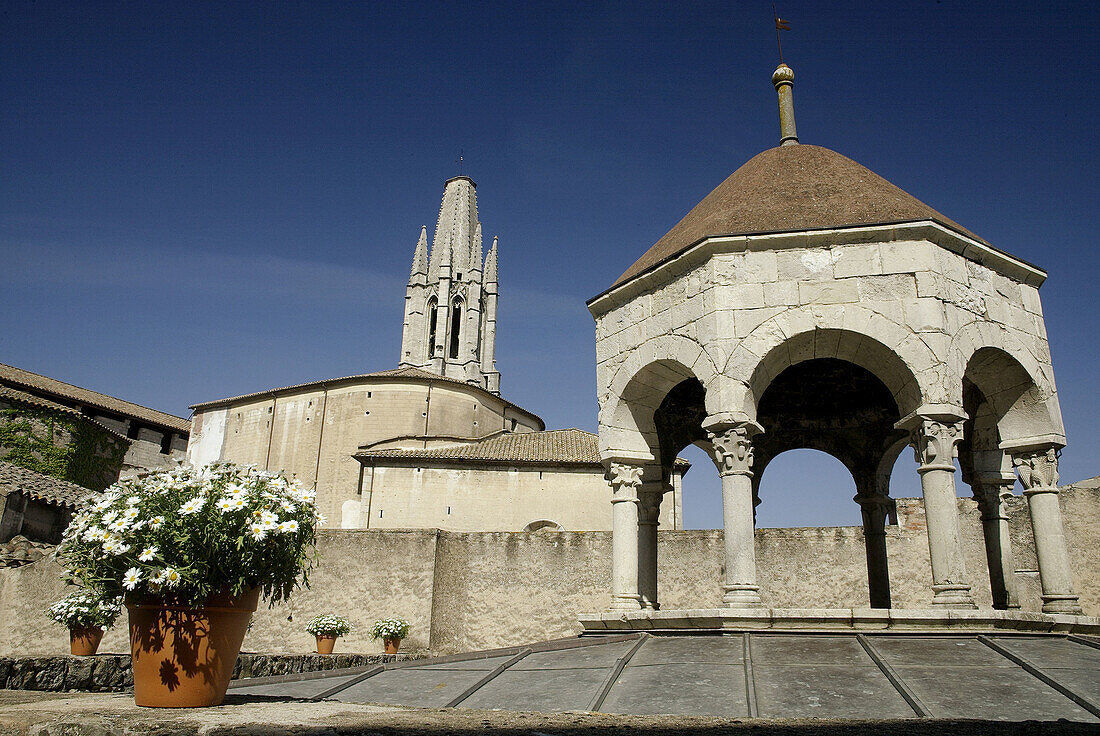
(475, 250)
(454, 231)
(420, 256)
(491, 263)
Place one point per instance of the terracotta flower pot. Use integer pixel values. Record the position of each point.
(392, 643)
(84, 641)
(325, 643)
(183, 656)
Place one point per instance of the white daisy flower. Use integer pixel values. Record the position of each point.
(288, 527)
(236, 503)
(110, 516)
(133, 500)
(94, 534)
(148, 554)
(172, 577)
(131, 578)
(193, 506)
(130, 513)
(223, 505)
(156, 523)
(319, 518)
(257, 530)
(119, 526)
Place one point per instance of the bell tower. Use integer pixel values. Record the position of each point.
(451, 298)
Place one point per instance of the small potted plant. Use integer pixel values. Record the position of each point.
(391, 631)
(87, 616)
(327, 627)
(192, 551)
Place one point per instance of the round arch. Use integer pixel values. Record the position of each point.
(895, 354)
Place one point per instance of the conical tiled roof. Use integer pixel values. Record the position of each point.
(791, 188)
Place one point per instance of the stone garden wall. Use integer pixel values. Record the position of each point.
(467, 591)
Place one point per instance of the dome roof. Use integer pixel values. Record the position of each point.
(787, 189)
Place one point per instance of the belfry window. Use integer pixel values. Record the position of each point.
(456, 328)
(432, 318)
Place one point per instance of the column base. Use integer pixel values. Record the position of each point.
(742, 597)
(952, 596)
(1062, 604)
(626, 603)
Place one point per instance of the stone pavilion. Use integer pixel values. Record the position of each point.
(807, 302)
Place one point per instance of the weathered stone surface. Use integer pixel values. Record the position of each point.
(112, 672)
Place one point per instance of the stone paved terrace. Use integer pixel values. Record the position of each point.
(998, 676)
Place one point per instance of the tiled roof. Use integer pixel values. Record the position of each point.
(42, 487)
(788, 189)
(552, 447)
(21, 379)
(416, 374)
(22, 397)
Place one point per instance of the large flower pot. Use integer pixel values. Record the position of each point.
(392, 643)
(84, 642)
(325, 643)
(183, 656)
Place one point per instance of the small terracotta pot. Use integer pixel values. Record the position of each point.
(392, 643)
(84, 642)
(325, 643)
(183, 656)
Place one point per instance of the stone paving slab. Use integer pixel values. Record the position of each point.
(547, 691)
(1047, 653)
(827, 691)
(809, 650)
(707, 690)
(690, 649)
(416, 686)
(994, 693)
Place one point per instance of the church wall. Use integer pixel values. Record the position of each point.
(333, 423)
(473, 590)
(486, 498)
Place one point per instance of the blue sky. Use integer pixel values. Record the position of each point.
(207, 199)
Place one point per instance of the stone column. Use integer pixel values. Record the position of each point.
(990, 492)
(625, 479)
(934, 440)
(649, 509)
(1038, 470)
(875, 506)
(732, 448)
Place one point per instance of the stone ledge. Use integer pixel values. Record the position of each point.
(112, 673)
(838, 619)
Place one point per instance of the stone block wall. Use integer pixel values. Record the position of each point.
(478, 590)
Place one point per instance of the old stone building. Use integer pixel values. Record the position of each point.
(157, 439)
(807, 302)
(431, 443)
(533, 481)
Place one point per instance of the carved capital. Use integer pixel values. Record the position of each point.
(732, 448)
(935, 443)
(649, 507)
(625, 480)
(990, 496)
(1038, 470)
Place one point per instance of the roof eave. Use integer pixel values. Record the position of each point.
(932, 230)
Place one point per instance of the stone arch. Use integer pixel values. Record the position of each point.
(1017, 385)
(640, 385)
(543, 525)
(904, 362)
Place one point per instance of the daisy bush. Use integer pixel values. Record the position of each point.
(83, 609)
(328, 624)
(388, 628)
(189, 533)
